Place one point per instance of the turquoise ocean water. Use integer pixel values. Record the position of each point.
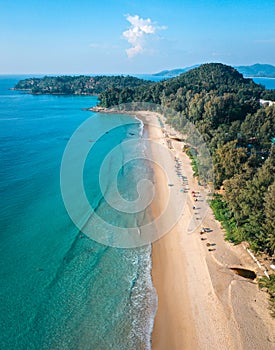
(59, 289)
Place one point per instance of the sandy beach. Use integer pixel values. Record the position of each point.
(202, 303)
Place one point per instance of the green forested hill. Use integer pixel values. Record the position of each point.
(77, 85)
(240, 134)
(212, 78)
(255, 70)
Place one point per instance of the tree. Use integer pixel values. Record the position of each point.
(268, 228)
(228, 161)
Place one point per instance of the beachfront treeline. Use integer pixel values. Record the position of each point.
(239, 131)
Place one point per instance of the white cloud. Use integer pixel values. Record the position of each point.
(136, 34)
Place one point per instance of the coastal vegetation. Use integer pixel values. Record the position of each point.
(269, 285)
(78, 85)
(193, 163)
(222, 214)
(239, 132)
(225, 108)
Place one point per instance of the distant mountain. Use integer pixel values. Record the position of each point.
(256, 70)
(174, 72)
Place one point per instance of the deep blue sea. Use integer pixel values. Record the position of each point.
(60, 289)
(269, 83)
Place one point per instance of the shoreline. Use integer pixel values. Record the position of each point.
(173, 324)
(202, 303)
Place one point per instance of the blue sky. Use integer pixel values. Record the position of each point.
(127, 36)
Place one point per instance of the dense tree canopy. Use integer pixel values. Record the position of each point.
(240, 135)
(78, 85)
